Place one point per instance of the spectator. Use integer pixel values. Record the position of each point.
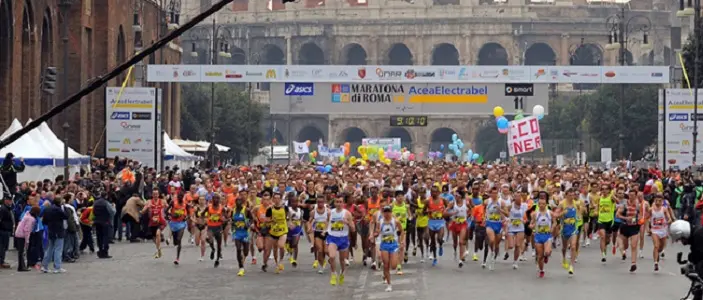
(70, 247)
(7, 224)
(54, 219)
(87, 228)
(130, 215)
(22, 234)
(8, 171)
(104, 214)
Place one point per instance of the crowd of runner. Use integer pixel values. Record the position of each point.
(385, 213)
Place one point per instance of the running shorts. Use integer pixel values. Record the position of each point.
(616, 226)
(215, 229)
(542, 238)
(320, 235)
(457, 227)
(295, 231)
(177, 226)
(495, 226)
(630, 230)
(242, 236)
(607, 226)
(362, 228)
(567, 233)
(342, 242)
(390, 247)
(436, 225)
(528, 230)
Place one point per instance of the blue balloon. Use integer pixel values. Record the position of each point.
(454, 137)
(441, 147)
(539, 117)
(452, 147)
(440, 154)
(469, 153)
(502, 123)
(457, 153)
(475, 156)
(328, 168)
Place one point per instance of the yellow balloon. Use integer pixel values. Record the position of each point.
(387, 161)
(361, 150)
(352, 160)
(381, 152)
(381, 157)
(498, 111)
(364, 156)
(371, 150)
(363, 162)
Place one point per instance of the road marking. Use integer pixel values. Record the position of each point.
(393, 294)
(394, 282)
(363, 275)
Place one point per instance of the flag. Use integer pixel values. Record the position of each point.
(301, 148)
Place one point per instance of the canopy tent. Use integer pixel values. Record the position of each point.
(197, 146)
(74, 158)
(40, 157)
(175, 156)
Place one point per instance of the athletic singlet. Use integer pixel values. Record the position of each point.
(372, 208)
(337, 227)
(214, 216)
(568, 218)
(516, 217)
(156, 212)
(606, 206)
(435, 209)
(261, 217)
(295, 216)
(178, 212)
(493, 211)
(659, 222)
(279, 224)
(632, 213)
(389, 233)
(543, 224)
(319, 220)
(592, 208)
(400, 212)
(239, 219)
(462, 212)
(422, 218)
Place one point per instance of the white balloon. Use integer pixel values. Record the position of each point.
(538, 110)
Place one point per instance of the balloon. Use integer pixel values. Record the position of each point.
(475, 156)
(498, 111)
(411, 156)
(502, 123)
(371, 150)
(441, 147)
(439, 154)
(387, 161)
(503, 131)
(432, 155)
(347, 145)
(328, 168)
(352, 160)
(518, 116)
(538, 110)
(363, 162)
(454, 137)
(539, 117)
(307, 143)
(361, 149)
(381, 152)
(346, 151)
(469, 153)
(320, 169)
(342, 159)
(364, 156)
(457, 153)
(452, 147)
(422, 154)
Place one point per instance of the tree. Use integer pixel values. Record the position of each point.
(237, 118)
(689, 59)
(490, 142)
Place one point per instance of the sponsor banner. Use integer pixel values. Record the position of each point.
(299, 89)
(408, 74)
(382, 143)
(675, 125)
(524, 136)
(403, 99)
(519, 89)
(131, 130)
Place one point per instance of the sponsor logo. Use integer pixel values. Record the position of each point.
(141, 116)
(678, 117)
(259, 74)
(684, 152)
(568, 73)
(485, 74)
(693, 116)
(113, 141)
(119, 115)
(519, 89)
(388, 74)
(361, 72)
(412, 74)
(540, 73)
(657, 74)
(113, 149)
(127, 126)
(135, 150)
(590, 75)
(686, 128)
(299, 89)
(124, 150)
(188, 73)
(367, 93)
(175, 74)
(317, 73)
(294, 73)
(232, 74)
(672, 151)
(463, 74)
(126, 141)
(444, 73)
(213, 74)
(132, 103)
(340, 74)
(270, 74)
(146, 150)
(685, 143)
(609, 74)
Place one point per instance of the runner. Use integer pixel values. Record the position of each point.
(177, 213)
(340, 224)
(240, 236)
(295, 225)
(373, 204)
(542, 221)
(278, 234)
(216, 214)
(262, 226)
(421, 223)
(516, 225)
(458, 227)
(155, 208)
(198, 220)
(630, 213)
(660, 218)
(387, 230)
(568, 211)
(494, 224)
(400, 213)
(436, 207)
(320, 215)
(606, 208)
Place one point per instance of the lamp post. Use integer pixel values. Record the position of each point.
(64, 8)
(65, 150)
(218, 48)
(694, 11)
(620, 28)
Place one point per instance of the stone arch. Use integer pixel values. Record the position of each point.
(6, 41)
(239, 57)
(121, 53)
(540, 54)
(271, 55)
(629, 60)
(445, 54)
(493, 54)
(354, 54)
(399, 55)
(277, 139)
(646, 59)
(28, 63)
(312, 133)
(353, 135)
(441, 136)
(46, 57)
(406, 139)
(311, 54)
(586, 55)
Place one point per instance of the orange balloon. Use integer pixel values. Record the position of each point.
(347, 145)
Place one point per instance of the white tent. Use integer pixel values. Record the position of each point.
(175, 156)
(197, 146)
(38, 160)
(52, 139)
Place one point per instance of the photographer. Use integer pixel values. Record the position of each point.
(690, 235)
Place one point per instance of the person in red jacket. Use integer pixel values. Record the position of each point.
(87, 229)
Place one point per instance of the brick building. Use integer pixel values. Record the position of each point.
(101, 35)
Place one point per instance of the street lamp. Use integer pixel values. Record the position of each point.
(65, 151)
(218, 48)
(620, 28)
(694, 11)
(64, 8)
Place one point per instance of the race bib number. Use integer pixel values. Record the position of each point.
(460, 220)
(494, 217)
(278, 229)
(296, 222)
(437, 215)
(604, 209)
(569, 221)
(401, 217)
(214, 218)
(239, 224)
(155, 219)
(543, 229)
(179, 213)
(320, 226)
(658, 222)
(388, 239)
(337, 226)
(516, 222)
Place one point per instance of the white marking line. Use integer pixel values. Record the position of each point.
(393, 282)
(393, 294)
(359, 293)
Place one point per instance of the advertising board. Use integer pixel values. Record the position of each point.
(397, 99)
(676, 117)
(132, 124)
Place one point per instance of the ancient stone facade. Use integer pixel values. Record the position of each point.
(424, 32)
(100, 36)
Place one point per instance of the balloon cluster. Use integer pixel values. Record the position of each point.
(538, 111)
(371, 151)
(456, 145)
(324, 169)
(503, 124)
(436, 154)
(471, 155)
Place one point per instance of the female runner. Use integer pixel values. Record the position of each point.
(400, 213)
(660, 218)
(516, 225)
(320, 215)
(340, 224)
(240, 223)
(387, 230)
(295, 225)
(541, 224)
(276, 242)
(177, 213)
(458, 226)
(199, 223)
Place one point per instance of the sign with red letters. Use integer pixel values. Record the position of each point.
(524, 136)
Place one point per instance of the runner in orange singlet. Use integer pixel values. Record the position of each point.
(216, 214)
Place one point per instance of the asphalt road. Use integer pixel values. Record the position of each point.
(134, 274)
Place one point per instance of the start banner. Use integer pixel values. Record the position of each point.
(408, 74)
(524, 136)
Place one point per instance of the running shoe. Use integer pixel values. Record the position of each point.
(633, 268)
(201, 258)
(515, 266)
(441, 251)
(333, 279)
(656, 267)
(588, 243)
(571, 270)
(461, 264)
(483, 265)
(434, 262)
(59, 271)
(293, 263)
(506, 256)
(280, 267)
(253, 260)
(212, 254)
(44, 270)
(240, 273)
(175, 262)
(614, 250)
(540, 274)
(347, 262)
(315, 264)
(415, 251)
(373, 266)
(546, 260)
(320, 271)
(263, 268)
(341, 279)
(565, 264)
(389, 288)
(474, 257)
(217, 263)
(399, 270)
